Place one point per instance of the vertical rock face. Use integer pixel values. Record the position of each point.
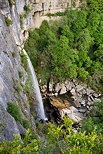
(15, 21)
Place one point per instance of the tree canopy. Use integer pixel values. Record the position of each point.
(71, 47)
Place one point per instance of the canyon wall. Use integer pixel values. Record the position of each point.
(16, 18)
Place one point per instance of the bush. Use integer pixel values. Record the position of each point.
(18, 88)
(95, 121)
(22, 16)
(24, 60)
(14, 110)
(28, 146)
(58, 139)
(27, 8)
(8, 21)
(25, 123)
(21, 74)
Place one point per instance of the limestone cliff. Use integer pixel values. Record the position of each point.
(16, 18)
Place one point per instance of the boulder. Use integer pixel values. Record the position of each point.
(50, 87)
(83, 103)
(76, 104)
(95, 95)
(79, 88)
(89, 91)
(72, 113)
(82, 110)
(63, 89)
(68, 85)
(58, 87)
(58, 103)
(73, 91)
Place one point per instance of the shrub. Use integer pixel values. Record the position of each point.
(25, 123)
(14, 110)
(58, 139)
(95, 121)
(22, 16)
(24, 60)
(18, 88)
(28, 146)
(21, 74)
(27, 8)
(8, 21)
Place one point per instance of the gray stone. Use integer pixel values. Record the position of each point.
(79, 88)
(22, 130)
(95, 95)
(89, 91)
(58, 87)
(63, 89)
(84, 91)
(8, 125)
(89, 99)
(76, 104)
(83, 102)
(73, 91)
(50, 87)
(82, 110)
(72, 113)
(68, 85)
(89, 103)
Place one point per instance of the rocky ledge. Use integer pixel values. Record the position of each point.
(71, 98)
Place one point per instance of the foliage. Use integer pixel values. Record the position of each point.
(24, 60)
(29, 145)
(58, 139)
(22, 16)
(56, 14)
(70, 47)
(8, 21)
(95, 5)
(27, 8)
(95, 119)
(21, 74)
(25, 123)
(14, 111)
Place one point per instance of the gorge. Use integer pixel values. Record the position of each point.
(62, 41)
(15, 21)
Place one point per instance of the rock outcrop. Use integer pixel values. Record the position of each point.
(64, 107)
(82, 95)
(71, 98)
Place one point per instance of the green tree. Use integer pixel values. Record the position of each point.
(69, 34)
(93, 22)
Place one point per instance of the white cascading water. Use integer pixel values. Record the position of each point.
(40, 107)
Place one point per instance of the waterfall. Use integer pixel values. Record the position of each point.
(40, 107)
